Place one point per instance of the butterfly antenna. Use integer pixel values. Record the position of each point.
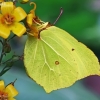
(61, 11)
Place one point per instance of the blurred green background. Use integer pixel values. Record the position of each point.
(81, 18)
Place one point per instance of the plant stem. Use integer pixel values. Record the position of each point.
(2, 52)
(11, 37)
(1, 42)
(1, 57)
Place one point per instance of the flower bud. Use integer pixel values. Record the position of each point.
(7, 48)
(24, 1)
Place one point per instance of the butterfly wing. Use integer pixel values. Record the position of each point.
(57, 60)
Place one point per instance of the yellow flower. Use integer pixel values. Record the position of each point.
(1, 1)
(9, 20)
(7, 93)
(31, 16)
(34, 23)
(24, 1)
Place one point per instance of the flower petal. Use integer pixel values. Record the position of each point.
(4, 31)
(29, 19)
(24, 1)
(12, 92)
(2, 85)
(19, 14)
(33, 31)
(1, 1)
(18, 29)
(12, 99)
(6, 7)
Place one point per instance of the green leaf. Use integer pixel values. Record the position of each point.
(57, 59)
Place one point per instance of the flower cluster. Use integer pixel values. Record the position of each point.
(15, 19)
(10, 18)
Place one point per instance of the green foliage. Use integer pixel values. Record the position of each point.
(76, 16)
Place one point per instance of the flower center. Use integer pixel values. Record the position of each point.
(3, 96)
(7, 19)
